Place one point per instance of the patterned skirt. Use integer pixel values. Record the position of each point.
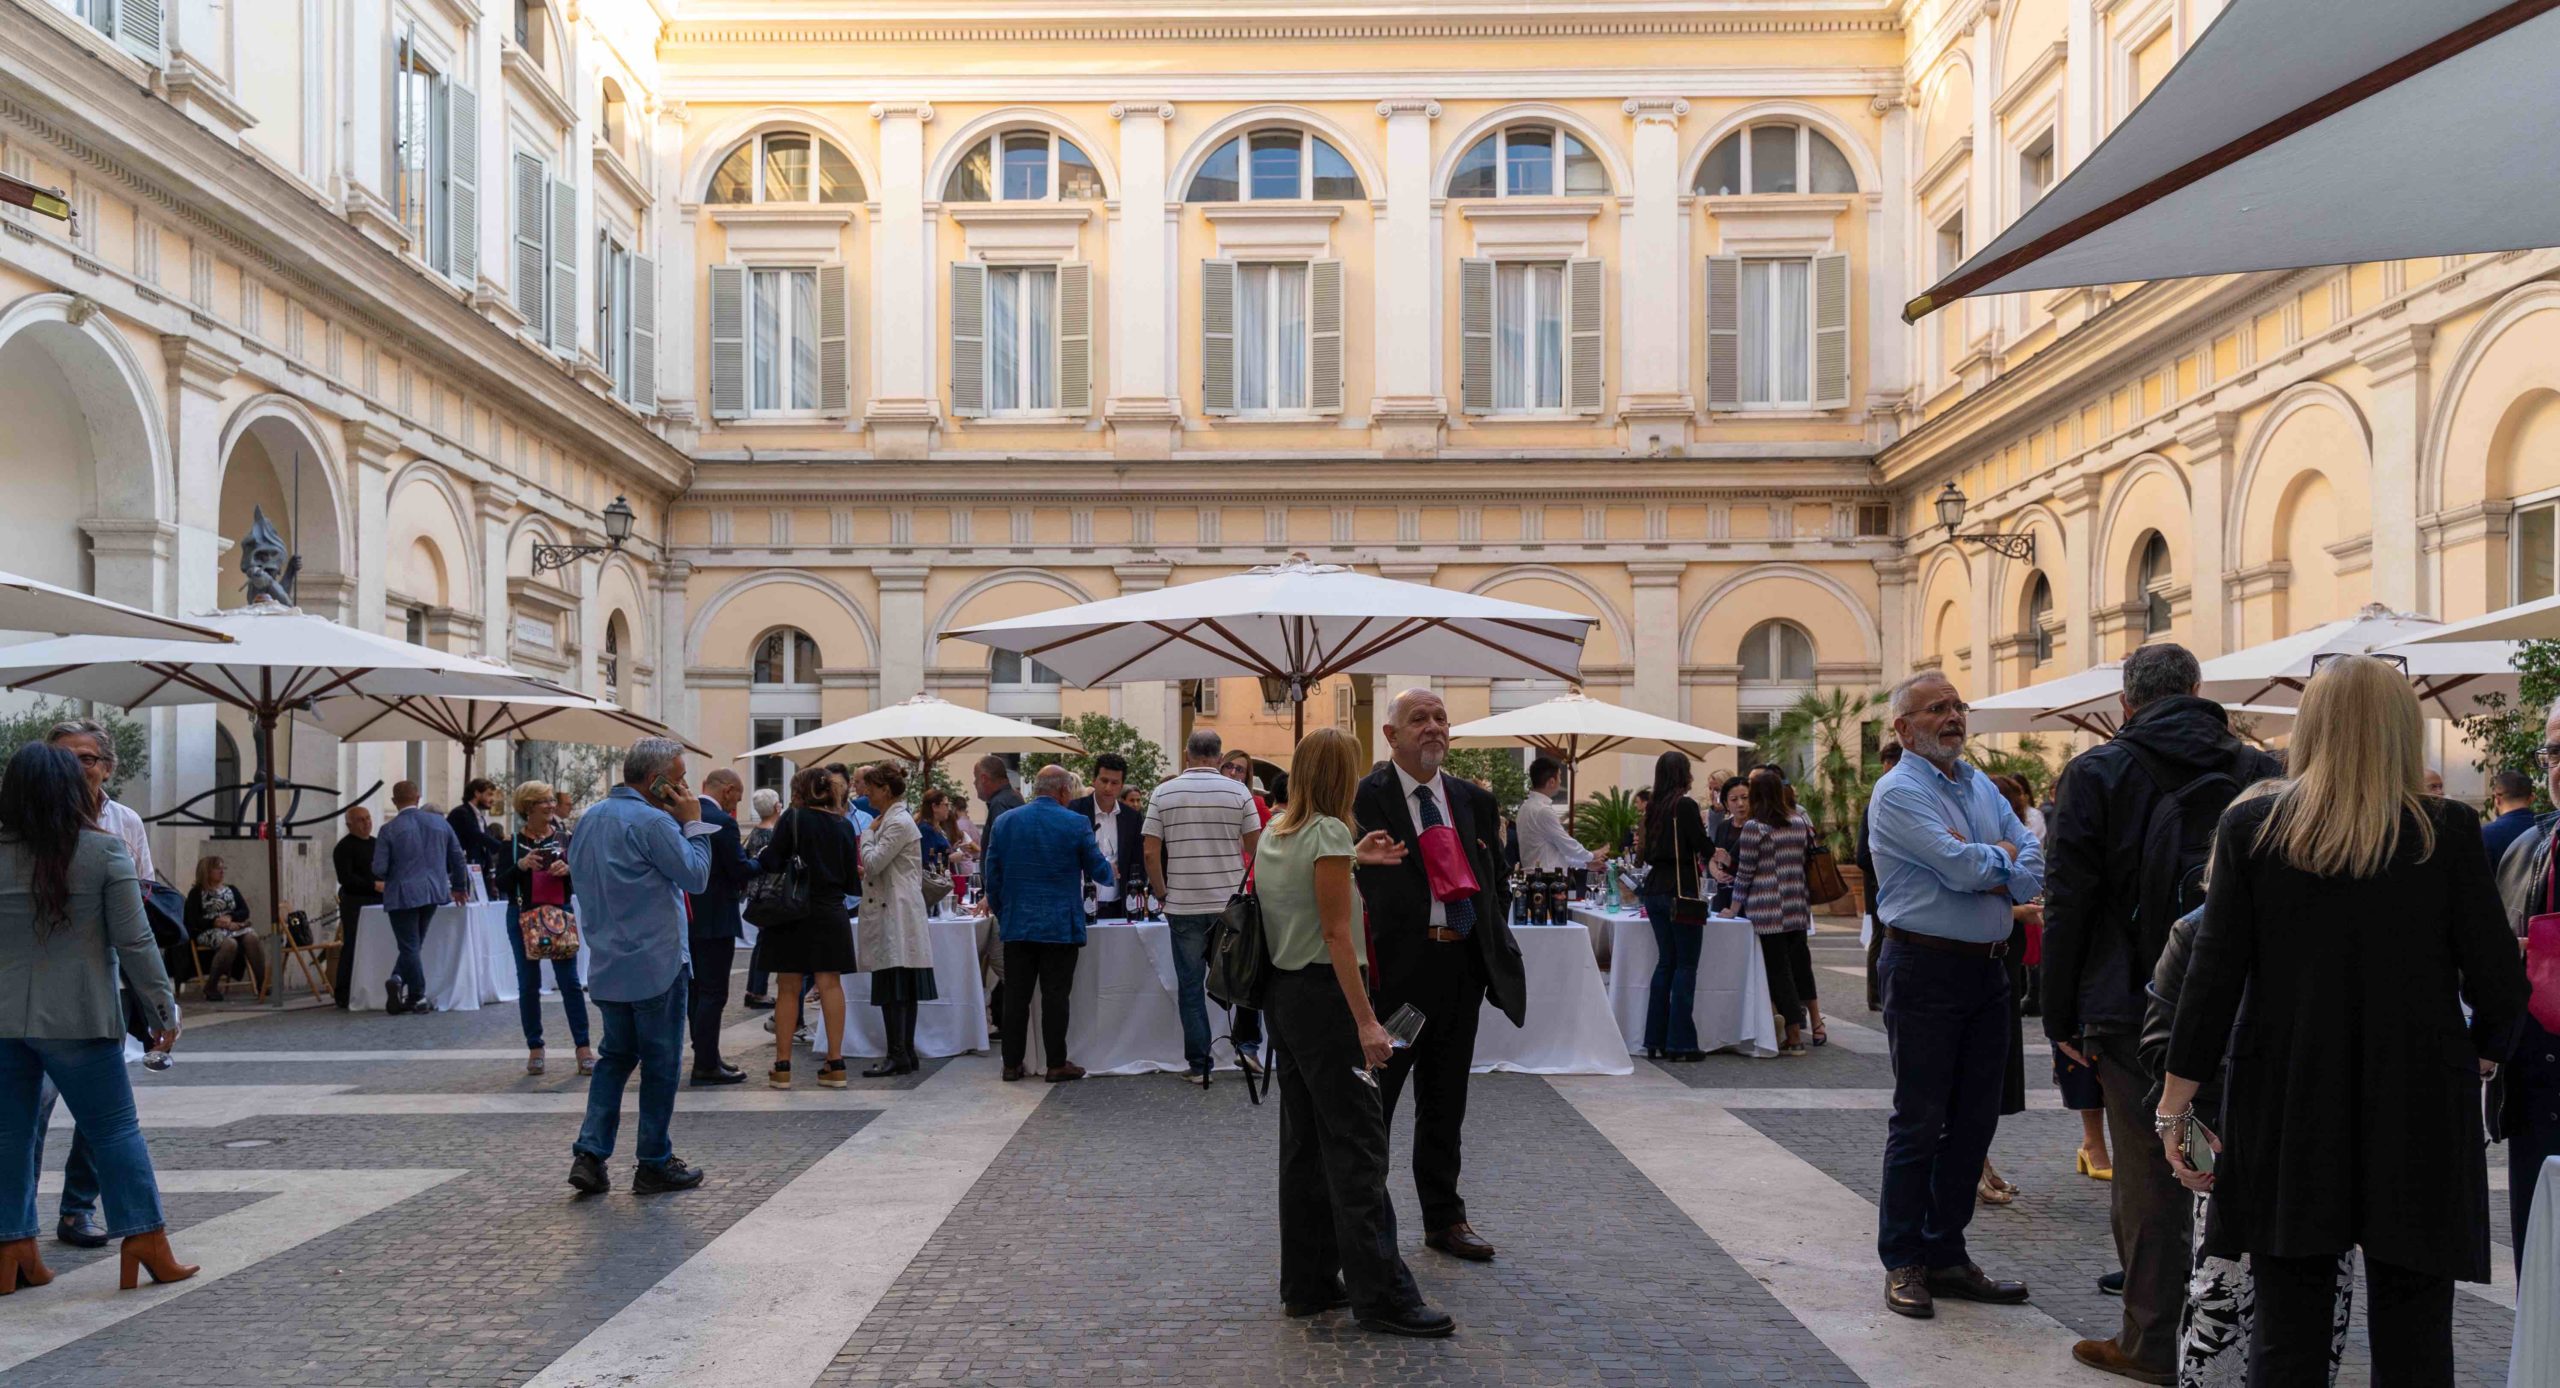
(2221, 1315)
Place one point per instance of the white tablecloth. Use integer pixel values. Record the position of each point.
(2534, 1362)
(1570, 1030)
(464, 952)
(1121, 1015)
(1733, 984)
(954, 1023)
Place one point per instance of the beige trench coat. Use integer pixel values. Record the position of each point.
(892, 933)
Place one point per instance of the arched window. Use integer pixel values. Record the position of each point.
(785, 166)
(1777, 670)
(2153, 581)
(782, 700)
(1774, 157)
(1024, 166)
(617, 119)
(1021, 687)
(2039, 633)
(613, 658)
(1274, 164)
(1523, 161)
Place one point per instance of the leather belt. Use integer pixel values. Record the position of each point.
(1979, 949)
(1441, 934)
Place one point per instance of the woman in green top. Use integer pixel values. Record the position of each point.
(1337, 1229)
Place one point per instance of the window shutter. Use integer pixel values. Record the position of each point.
(1075, 337)
(728, 341)
(644, 332)
(1475, 336)
(1324, 337)
(1830, 332)
(531, 217)
(968, 338)
(563, 247)
(462, 181)
(1218, 337)
(835, 343)
(1724, 332)
(137, 26)
(1586, 333)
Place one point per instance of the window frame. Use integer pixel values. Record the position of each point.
(1562, 269)
(1273, 340)
(431, 243)
(1776, 629)
(2042, 148)
(2153, 585)
(2039, 635)
(1024, 338)
(614, 290)
(1557, 135)
(757, 195)
(994, 140)
(1745, 164)
(1769, 326)
(817, 343)
(1242, 141)
(2545, 503)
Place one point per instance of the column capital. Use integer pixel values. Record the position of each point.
(1896, 570)
(1655, 110)
(2401, 354)
(1656, 573)
(494, 497)
(1409, 572)
(901, 579)
(673, 111)
(130, 537)
(2210, 436)
(370, 444)
(1886, 103)
(1143, 576)
(1422, 106)
(193, 362)
(672, 574)
(920, 111)
(2080, 493)
(1131, 110)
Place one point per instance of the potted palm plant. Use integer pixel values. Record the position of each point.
(1827, 728)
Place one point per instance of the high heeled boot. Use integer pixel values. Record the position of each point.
(908, 1061)
(150, 1253)
(22, 1266)
(889, 1056)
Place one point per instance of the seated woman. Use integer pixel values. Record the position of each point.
(218, 921)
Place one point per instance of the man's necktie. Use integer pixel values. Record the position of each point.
(1461, 912)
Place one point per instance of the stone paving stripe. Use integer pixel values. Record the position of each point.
(772, 1298)
(1810, 1240)
(1850, 1036)
(84, 1302)
(1823, 1098)
(215, 1105)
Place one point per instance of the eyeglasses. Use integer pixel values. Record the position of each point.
(2547, 756)
(2397, 662)
(90, 759)
(1943, 708)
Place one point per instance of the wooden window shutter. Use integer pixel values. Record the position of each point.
(968, 338)
(644, 332)
(1218, 337)
(462, 182)
(1586, 333)
(728, 341)
(1075, 337)
(1475, 336)
(1831, 331)
(563, 248)
(137, 26)
(1724, 332)
(1324, 337)
(835, 340)
(531, 216)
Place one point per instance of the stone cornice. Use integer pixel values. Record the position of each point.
(1042, 23)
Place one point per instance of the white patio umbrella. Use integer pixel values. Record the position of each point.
(923, 729)
(1293, 625)
(2306, 132)
(277, 660)
(2274, 672)
(2538, 620)
(2049, 706)
(472, 721)
(1576, 727)
(30, 604)
(2098, 715)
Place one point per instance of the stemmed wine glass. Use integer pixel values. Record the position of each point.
(1403, 1025)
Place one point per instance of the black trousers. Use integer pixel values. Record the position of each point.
(2154, 1216)
(1335, 1216)
(1051, 968)
(1789, 960)
(2408, 1313)
(350, 911)
(712, 956)
(1449, 992)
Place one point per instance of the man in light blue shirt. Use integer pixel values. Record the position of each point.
(1951, 858)
(636, 856)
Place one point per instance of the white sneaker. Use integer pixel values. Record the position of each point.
(1198, 1077)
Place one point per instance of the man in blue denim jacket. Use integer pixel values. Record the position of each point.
(1038, 860)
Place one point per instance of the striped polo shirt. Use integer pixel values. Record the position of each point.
(1202, 818)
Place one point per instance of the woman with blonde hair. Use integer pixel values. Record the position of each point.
(534, 872)
(1337, 1229)
(2355, 916)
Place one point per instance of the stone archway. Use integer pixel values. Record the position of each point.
(275, 459)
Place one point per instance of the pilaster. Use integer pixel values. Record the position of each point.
(495, 501)
(905, 406)
(1144, 408)
(2398, 370)
(675, 704)
(1152, 707)
(902, 634)
(678, 219)
(1893, 615)
(1657, 635)
(2078, 499)
(199, 374)
(1409, 411)
(1391, 685)
(1655, 408)
(2208, 442)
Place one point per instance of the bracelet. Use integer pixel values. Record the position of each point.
(2163, 1122)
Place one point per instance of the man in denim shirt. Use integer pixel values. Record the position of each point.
(1953, 858)
(636, 856)
(1038, 861)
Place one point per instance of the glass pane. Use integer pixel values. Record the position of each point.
(1721, 175)
(1510, 336)
(1004, 667)
(1042, 674)
(734, 180)
(1755, 654)
(1756, 331)
(1334, 178)
(1550, 311)
(1795, 653)
(1289, 337)
(1216, 181)
(786, 168)
(1253, 337)
(1078, 179)
(1529, 161)
(1026, 166)
(804, 660)
(837, 181)
(768, 667)
(1830, 167)
(1040, 338)
(1582, 171)
(1773, 158)
(1276, 163)
(1474, 175)
(804, 339)
(1004, 331)
(1795, 333)
(765, 371)
(972, 180)
(2534, 553)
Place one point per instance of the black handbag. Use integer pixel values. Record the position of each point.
(1685, 909)
(1239, 960)
(778, 898)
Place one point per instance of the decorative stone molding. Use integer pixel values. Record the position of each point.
(1125, 110)
(1422, 106)
(2209, 436)
(119, 537)
(901, 578)
(370, 444)
(920, 111)
(1655, 110)
(193, 362)
(206, 97)
(2353, 554)
(2399, 355)
(2259, 580)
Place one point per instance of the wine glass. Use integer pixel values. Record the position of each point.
(1402, 1025)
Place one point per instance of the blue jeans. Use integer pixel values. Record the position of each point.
(1948, 1030)
(647, 1035)
(573, 994)
(80, 1172)
(1190, 985)
(91, 1076)
(408, 926)
(1671, 1005)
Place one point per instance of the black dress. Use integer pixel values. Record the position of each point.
(820, 942)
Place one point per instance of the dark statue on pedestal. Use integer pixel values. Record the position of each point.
(267, 569)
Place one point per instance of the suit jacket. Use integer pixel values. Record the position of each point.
(1039, 857)
(715, 910)
(1129, 860)
(418, 861)
(479, 845)
(1398, 898)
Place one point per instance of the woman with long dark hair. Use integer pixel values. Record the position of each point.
(1769, 891)
(1675, 853)
(815, 831)
(71, 923)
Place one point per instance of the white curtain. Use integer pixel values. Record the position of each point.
(1550, 320)
(1253, 336)
(1755, 331)
(1795, 333)
(1040, 344)
(1289, 346)
(804, 339)
(1511, 337)
(767, 366)
(1004, 363)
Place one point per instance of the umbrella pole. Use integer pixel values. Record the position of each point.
(266, 720)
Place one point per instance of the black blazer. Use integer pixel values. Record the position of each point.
(1129, 864)
(715, 912)
(478, 845)
(1398, 898)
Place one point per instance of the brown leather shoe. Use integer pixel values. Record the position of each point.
(22, 1266)
(1060, 1074)
(2107, 1356)
(1012, 1073)
(1459, 1241)
(150, 1253)
(1972, 1284)
(1906, 1293)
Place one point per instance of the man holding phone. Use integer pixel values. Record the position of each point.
(636, 856)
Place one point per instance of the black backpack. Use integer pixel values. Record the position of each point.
(2177, 838)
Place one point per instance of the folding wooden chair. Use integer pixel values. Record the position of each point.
(319, 959)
